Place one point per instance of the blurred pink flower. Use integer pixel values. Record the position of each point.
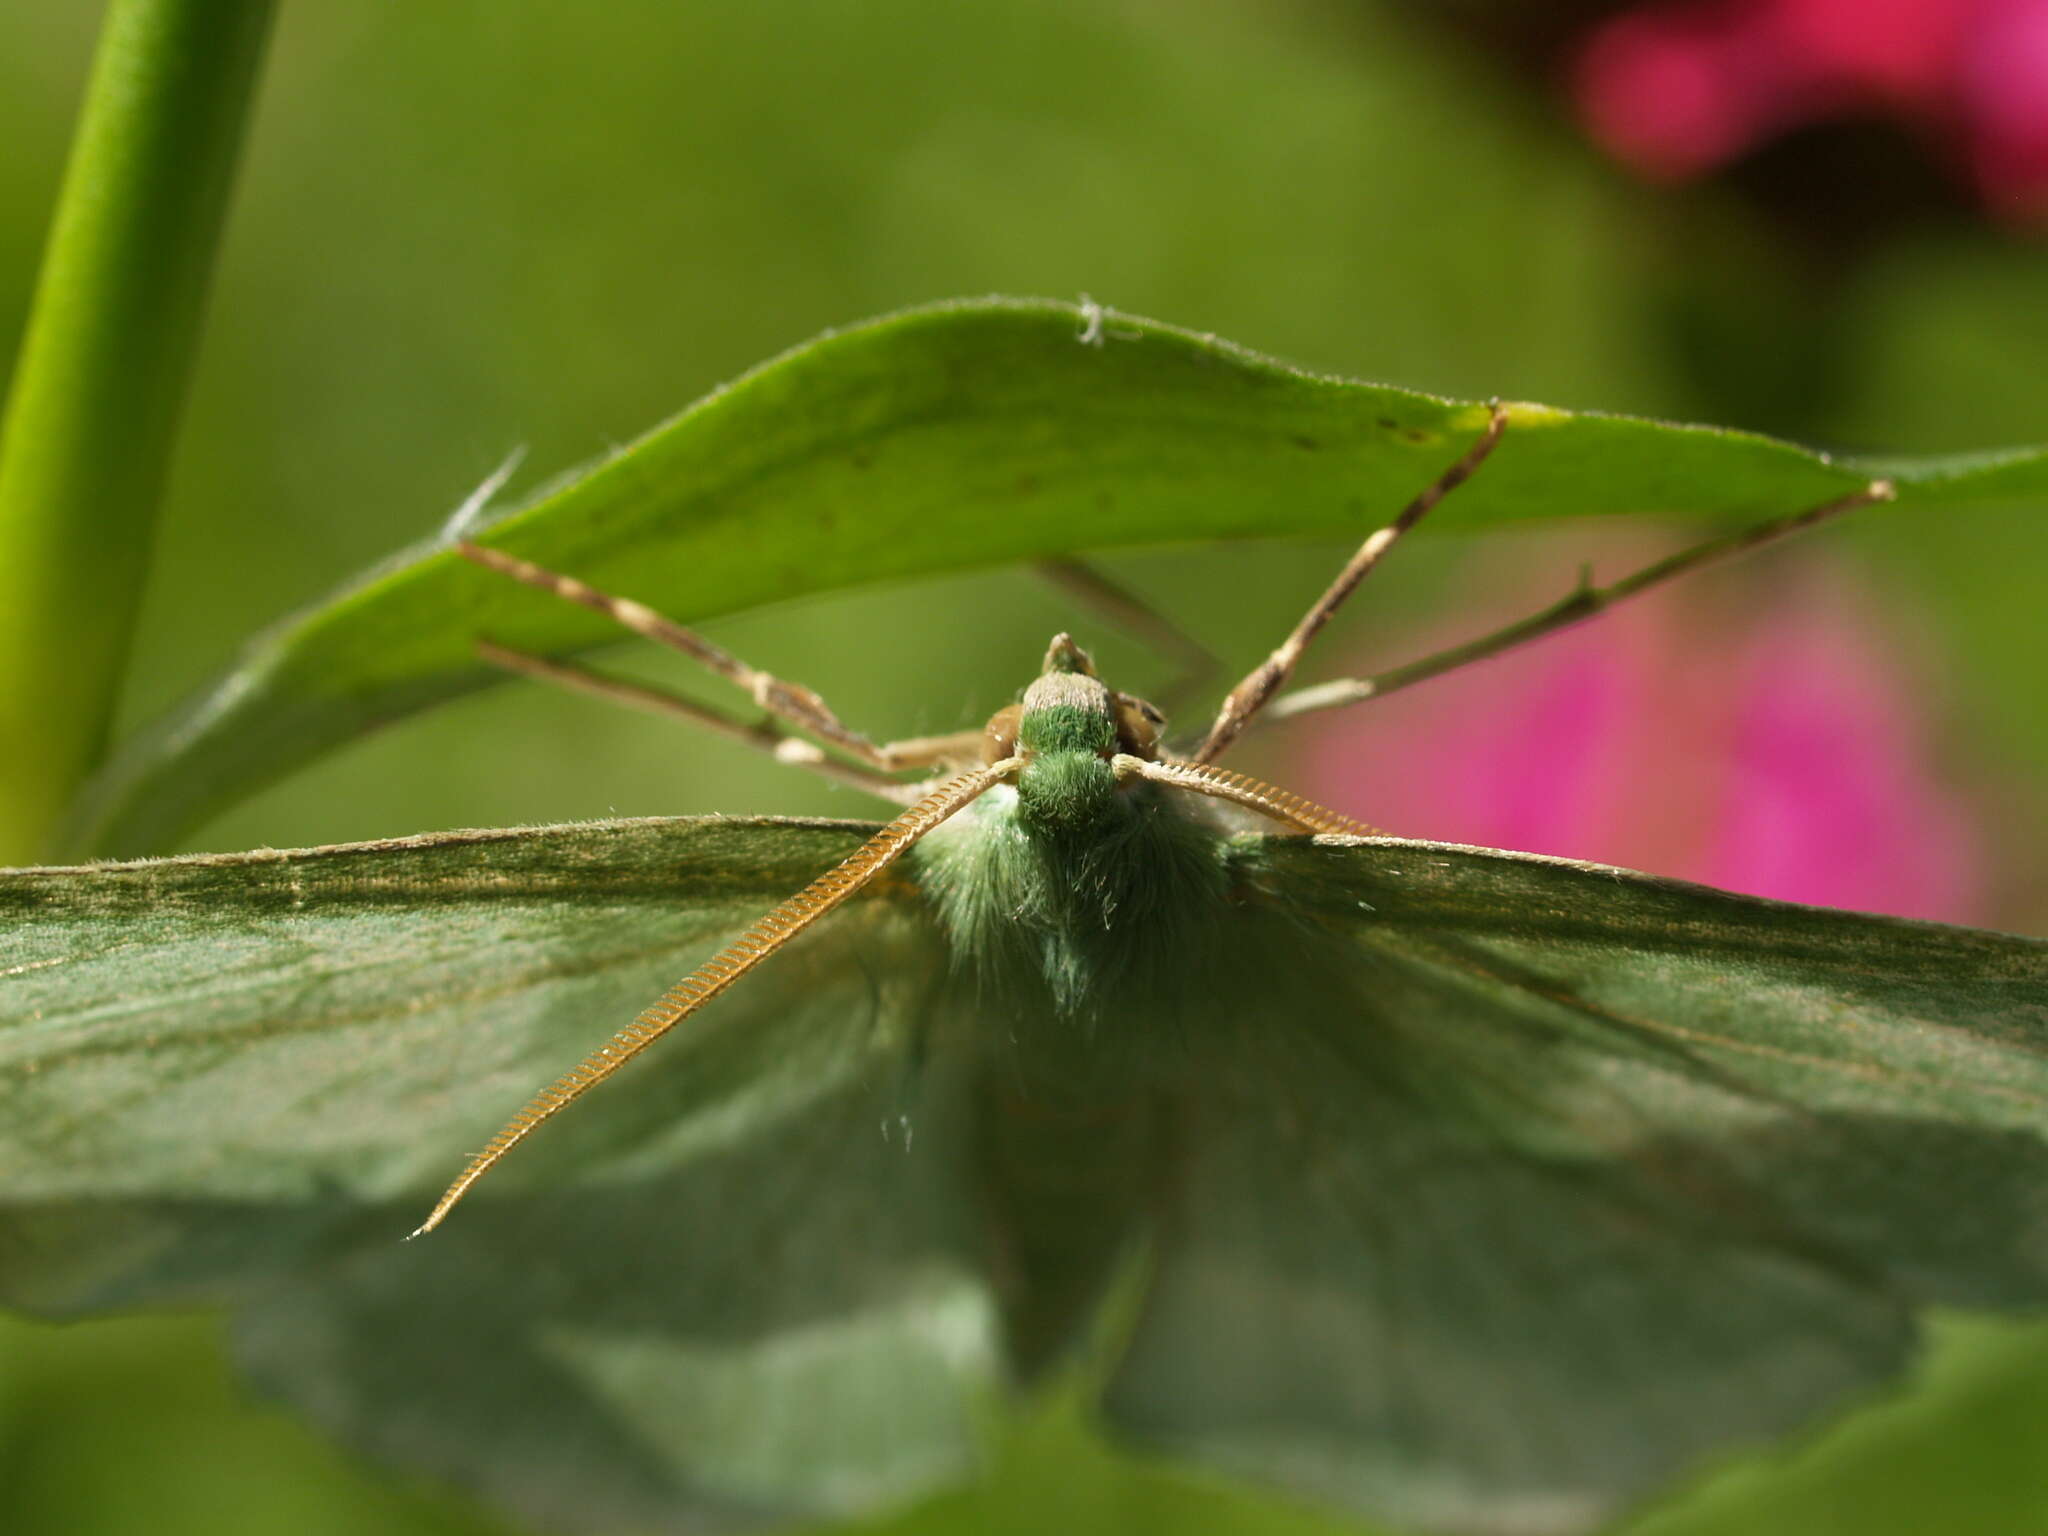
(1677, 88)
(1782, 757)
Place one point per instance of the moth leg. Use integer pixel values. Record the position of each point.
(961, 749)
(1131, 613)
(1582, 603)
(1270, 675)
(778, 744)
(790, 702)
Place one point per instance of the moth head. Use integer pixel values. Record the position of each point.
(1069, 709)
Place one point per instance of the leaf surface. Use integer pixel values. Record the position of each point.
(942, 439)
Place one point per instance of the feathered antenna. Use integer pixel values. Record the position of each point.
(723, 969)
(1283, 805)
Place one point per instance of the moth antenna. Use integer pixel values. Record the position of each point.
(1242, 789)
(773, 931)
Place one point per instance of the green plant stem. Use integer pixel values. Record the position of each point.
(96, 395)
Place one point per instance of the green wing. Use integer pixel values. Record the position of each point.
(1514, 1187)
(747, 1281)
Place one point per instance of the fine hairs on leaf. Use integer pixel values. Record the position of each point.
(470, 516)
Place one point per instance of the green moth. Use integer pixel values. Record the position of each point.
(1471, 1190)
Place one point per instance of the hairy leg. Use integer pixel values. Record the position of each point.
(789, 702)
(1270, 676)
(1575, 607)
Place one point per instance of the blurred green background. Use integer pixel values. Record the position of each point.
(464, 227)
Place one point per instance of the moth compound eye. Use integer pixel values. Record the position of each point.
(1138, 726)
(999, 737)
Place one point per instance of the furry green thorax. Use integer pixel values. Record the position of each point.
(1096, 915)
(1076, 890)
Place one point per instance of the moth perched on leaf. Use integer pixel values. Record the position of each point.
(1473, 1190)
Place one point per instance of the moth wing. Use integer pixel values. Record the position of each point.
(1514, 1187)
(744, 1278)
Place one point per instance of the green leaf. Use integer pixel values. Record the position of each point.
(937, 440)
(1481, 1191)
